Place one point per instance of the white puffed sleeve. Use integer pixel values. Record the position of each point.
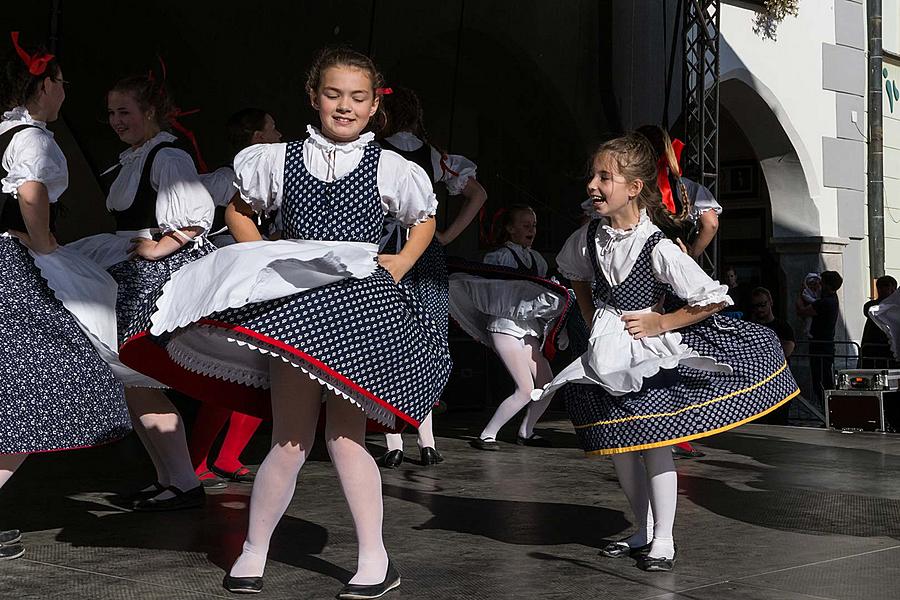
(573, 261)
(702, 200)
(259, 176)
(501, 257)
(220, 185)
(181, 199)
(453, 170)
(407, 193)
(33, 155)
(690, 282)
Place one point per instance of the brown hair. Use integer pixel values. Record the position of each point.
(662, 145)
(505, 218)
(242, 125)
(635, 159)
(403, 112)
(149, 92)
(17, 85)
(345, 57)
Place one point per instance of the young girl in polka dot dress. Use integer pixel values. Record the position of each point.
(56, 393)
(323, 314)
(650, 380)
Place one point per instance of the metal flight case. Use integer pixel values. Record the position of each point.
(866, 400)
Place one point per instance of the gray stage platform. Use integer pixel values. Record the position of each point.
(770, 513)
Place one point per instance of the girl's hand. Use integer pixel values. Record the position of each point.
(144, 248)
(396, 265)
(644, 324)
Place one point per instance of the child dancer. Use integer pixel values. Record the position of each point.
(350, 328)
(55, 391)
(650, 380)
(245, 128)
(512, 320)
(404, 133)
(161, 210)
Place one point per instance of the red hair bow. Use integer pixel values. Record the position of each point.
(384, 91)
(177, 126)
(662, 175)
(36, 64)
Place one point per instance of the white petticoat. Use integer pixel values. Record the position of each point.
(251, 272)
(619, 363)
(88, 292)
(515, 307)
(886, 315)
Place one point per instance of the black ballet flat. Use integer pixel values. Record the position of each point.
(488, 444)
(243, 585)
(155, 489)
(353, 591)
(535, 441)
(193, 498)
(621, 549)
(652, 564)
(392, 459)
(11, 536)
(11, 551)
(430, 456)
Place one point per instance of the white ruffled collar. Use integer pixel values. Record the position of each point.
(406, 138)
(316, 137)
(518, 247)
(616, 234)
(132, 154)
(20, 114)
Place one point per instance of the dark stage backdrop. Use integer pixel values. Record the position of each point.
(523, 88)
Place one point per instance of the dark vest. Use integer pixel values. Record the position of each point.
(521, 266)
(142, 212)
(10, 214)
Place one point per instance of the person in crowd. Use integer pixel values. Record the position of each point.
(875, 348)
(824, 312)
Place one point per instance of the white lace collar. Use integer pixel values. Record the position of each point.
(20, 114)
(132, 154)
(614, 233)
(316, 137)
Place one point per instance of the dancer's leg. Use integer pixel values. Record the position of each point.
(240, 431)
(295, 413)
(663, 485)
(633, 479)
(516, 357)
(426, 431)
(543, 375)
(345, 432)
(8, 465)
(394, 441)
(162, 431)
(209, 422)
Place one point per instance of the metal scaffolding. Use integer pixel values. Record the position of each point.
(700, 99)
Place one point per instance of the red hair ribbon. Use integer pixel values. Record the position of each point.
(662, 175)
(446, 168)
(173, 117)
(384, 91)
(37, 65)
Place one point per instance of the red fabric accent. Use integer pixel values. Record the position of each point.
(445, 168)
(662, 175)
(36, 64)
(384, 91)
(685, 446)
(210, 421)
(493, 230)
(187, 133)
(240, 430)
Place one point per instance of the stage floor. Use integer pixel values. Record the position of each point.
(774, 513)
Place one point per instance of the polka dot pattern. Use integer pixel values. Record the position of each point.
(55, 391)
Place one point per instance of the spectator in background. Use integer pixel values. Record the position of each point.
(824, 313)
(875, 350)
(761, 305)
(738, 293)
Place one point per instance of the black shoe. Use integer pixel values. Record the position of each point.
(212, 483)
(156, 488)
(353, 591)
(12, 551)
(392, 459)
(193, 498)
(10, 536)
(679, 452)
(430, 456)
(620, 549)
(649, 563)
(242, 585)
(488, 444)
(534, 441)
(241, 475)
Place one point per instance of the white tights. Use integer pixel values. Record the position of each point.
(160, 428)
(529, 369)
(425, 436)
(295, 411)
(8, 465)
(651, 486)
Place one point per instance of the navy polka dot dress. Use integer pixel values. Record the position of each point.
(679, 404)
(55, 391)
(371, 340)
